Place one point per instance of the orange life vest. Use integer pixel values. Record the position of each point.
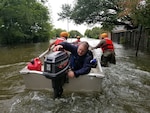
(59, 40)
(108, 45)
(78, 40)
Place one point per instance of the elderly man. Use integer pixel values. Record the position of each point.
(79, 59)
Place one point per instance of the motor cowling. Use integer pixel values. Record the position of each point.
(56, 64)
(55, 68)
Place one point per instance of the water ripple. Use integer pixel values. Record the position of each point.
(10, 65)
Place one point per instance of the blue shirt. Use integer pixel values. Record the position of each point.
(79, 64)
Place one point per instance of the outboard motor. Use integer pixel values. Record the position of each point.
(55, 67)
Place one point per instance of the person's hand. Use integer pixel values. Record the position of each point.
(57, 48)
(71, 74)
(49, 49)
(92, 48)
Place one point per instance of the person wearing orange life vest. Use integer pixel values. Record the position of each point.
(63, 37)
(77, 41)
(108, 50)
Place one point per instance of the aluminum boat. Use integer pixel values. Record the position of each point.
(35, 80)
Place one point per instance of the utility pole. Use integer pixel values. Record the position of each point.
(140, 36)
(67, 22)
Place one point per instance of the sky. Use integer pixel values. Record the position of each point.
(55, 7)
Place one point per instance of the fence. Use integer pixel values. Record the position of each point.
(133, 39)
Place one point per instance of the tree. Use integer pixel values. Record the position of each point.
(57, 32)
(23, 21)
(94, 32)
(66, 12)
(108, 13)
(132, 11)
(74, 33)
(142, 16)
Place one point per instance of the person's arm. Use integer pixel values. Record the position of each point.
(99, 44)
(65, 45)
(86, 67)
(84, 70)
(51, 44)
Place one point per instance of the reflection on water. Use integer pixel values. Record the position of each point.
(125, 88)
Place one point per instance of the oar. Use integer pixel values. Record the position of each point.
(44, 53)
(99, 65)
(34, 71)
(100, 73)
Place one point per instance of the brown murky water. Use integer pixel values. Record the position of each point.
(126, 86)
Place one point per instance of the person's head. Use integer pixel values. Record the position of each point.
(78, 37)
(83, 48)
(64, 34)
(103, 35)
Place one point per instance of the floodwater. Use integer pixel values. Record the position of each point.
(125, 88)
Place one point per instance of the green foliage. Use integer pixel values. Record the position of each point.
(94, 33)
(92, 12)
(109, 13)
(57, 32)
(67, 12)
(122, 40)
(23, 21)
(74, 33)
(142, 15)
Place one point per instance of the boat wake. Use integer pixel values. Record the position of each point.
(10, 65)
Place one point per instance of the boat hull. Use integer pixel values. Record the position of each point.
(35, 80)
